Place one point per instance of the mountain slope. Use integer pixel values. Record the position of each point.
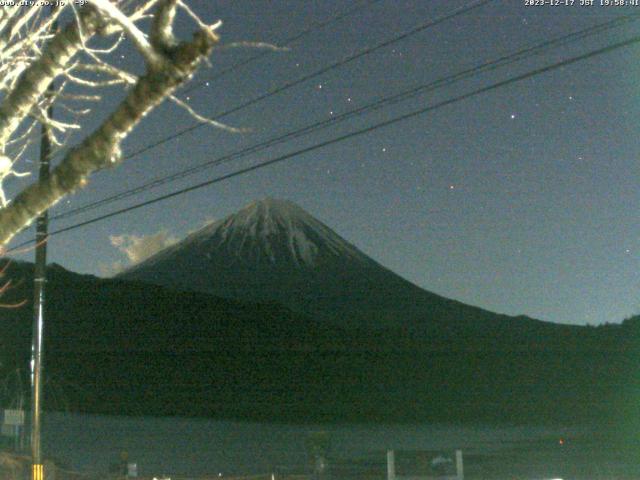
(272, 250)
(114, 346)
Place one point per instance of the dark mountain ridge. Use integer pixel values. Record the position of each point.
(124, 346)
(273, 250)
(113, 346)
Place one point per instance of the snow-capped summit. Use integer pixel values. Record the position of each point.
(273, 250)
(276, 232)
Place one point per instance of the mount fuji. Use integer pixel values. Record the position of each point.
(311, 329)
(274, 251)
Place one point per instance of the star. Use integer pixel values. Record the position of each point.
(513, 116)
(349, 99)
(319, 86)
(452, 187)
(384, 149)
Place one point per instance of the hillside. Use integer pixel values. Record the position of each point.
(114, 346)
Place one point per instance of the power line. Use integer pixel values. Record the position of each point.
(347, 136)
(454, 13)
(442, 82)
(263, 53)
(285, 42)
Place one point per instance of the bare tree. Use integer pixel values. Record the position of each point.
(32, 55)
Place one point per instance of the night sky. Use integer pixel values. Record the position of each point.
(521, 200)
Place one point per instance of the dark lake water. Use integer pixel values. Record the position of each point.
(189, 447)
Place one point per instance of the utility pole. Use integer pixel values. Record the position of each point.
(40, 279)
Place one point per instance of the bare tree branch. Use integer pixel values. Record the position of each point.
(102, 147)
(139, 39)
(162, 26)
(33, 83)
(200, 118)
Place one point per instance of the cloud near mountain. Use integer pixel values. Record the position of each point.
(138, 248)
(274, 251)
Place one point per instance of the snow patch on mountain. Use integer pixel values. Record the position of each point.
(277, 231)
